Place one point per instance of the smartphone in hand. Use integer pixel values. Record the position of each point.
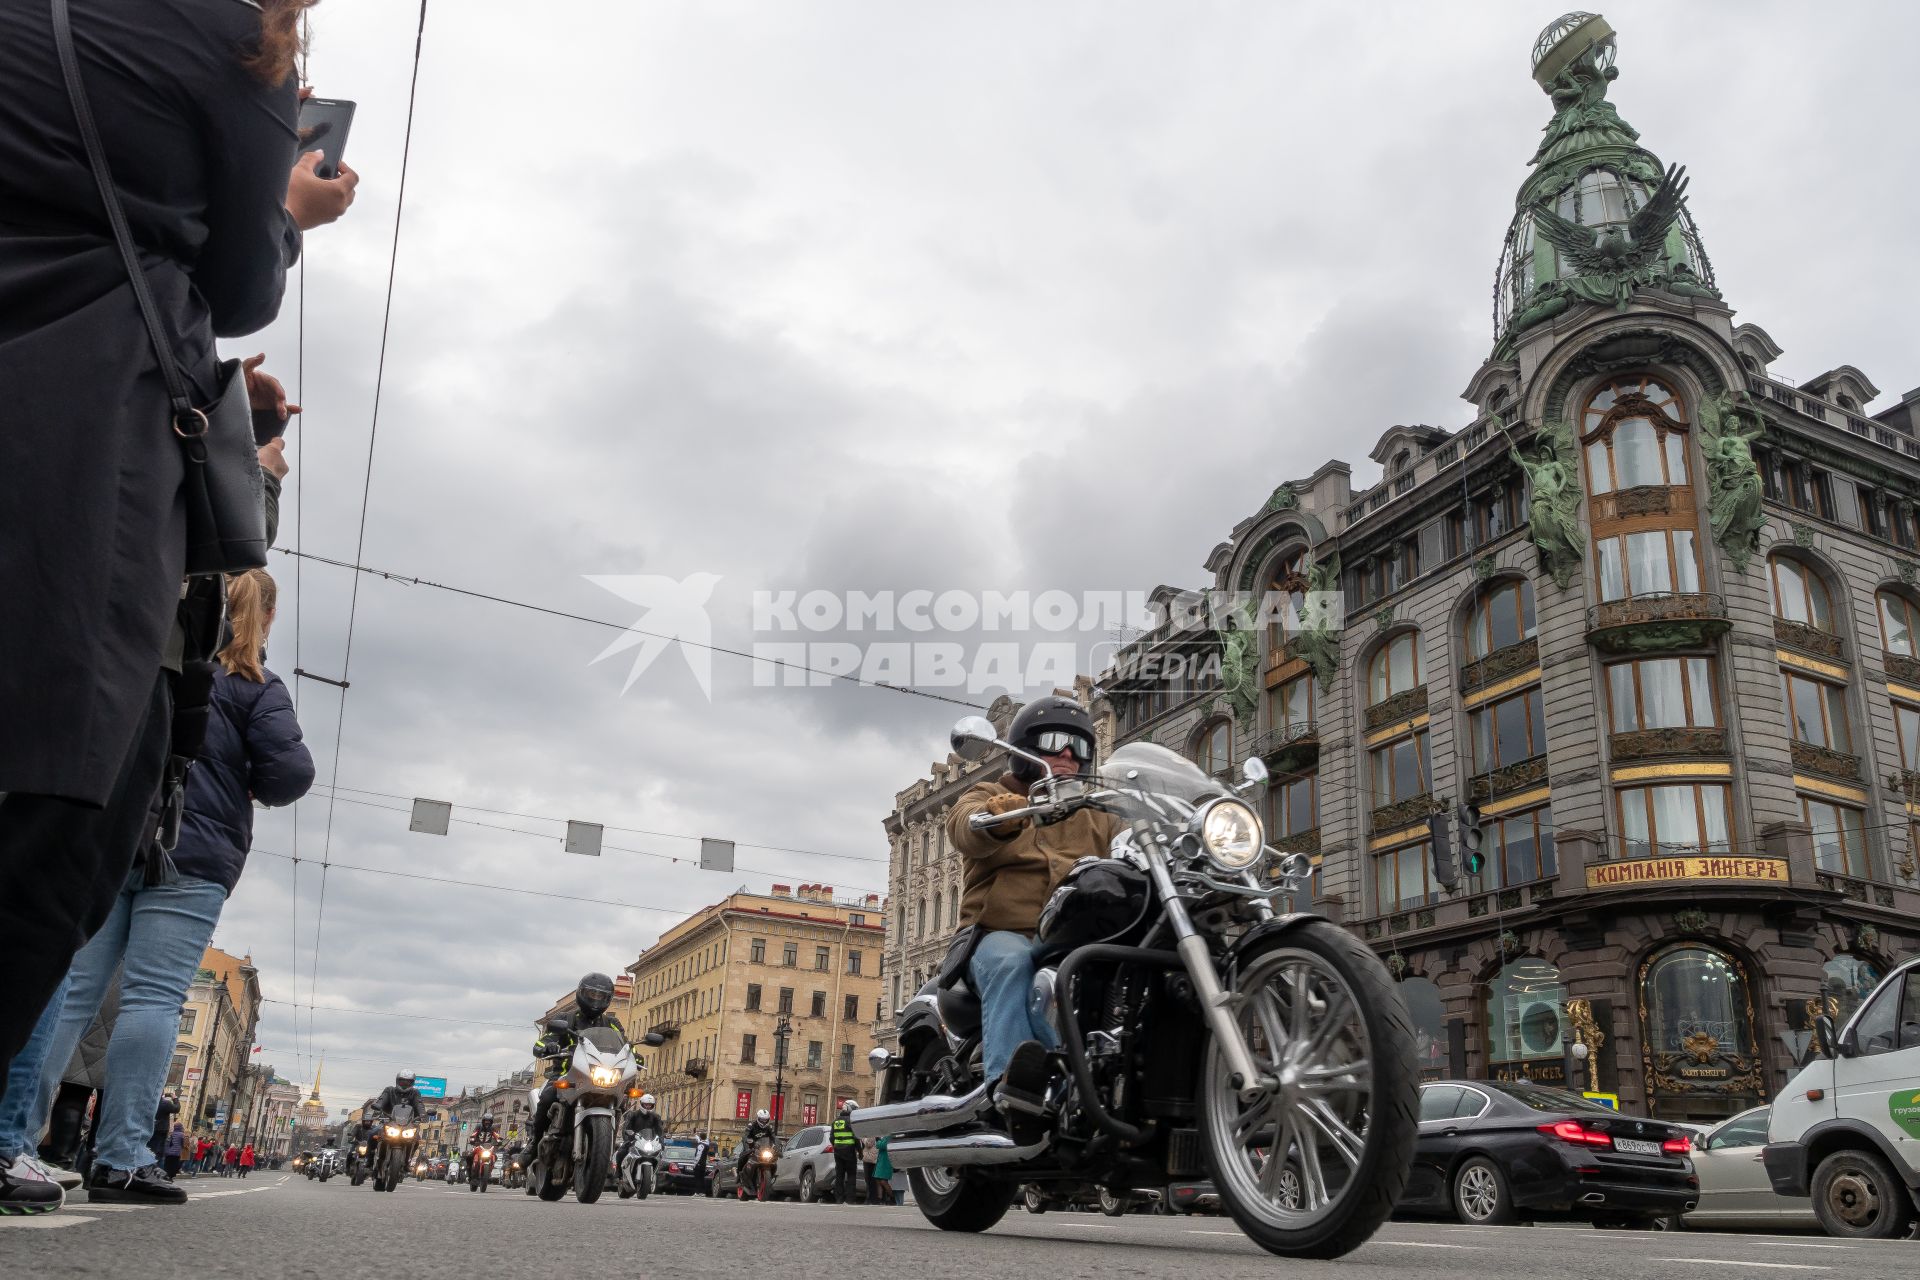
(324, 123)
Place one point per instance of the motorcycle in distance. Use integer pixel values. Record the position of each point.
(514, 1175)
(577, 1148)
(639, 1163)
(757, 1177)
(399, 1136)
(357, 1163)
(1206, 1036)
(480, 1168)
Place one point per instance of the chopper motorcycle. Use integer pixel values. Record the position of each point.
(1205, 1036)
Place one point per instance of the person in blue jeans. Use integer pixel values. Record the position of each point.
(1010, 871)
(157, 934)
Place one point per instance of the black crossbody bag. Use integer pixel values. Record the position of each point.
(225, 496)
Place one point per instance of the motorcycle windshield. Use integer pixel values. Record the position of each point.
(605, 1039)
(1149, 767)
(403, 1114)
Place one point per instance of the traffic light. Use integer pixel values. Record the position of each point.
(1471, 835)
(1446, 871)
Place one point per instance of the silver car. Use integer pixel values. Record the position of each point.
(1734, 1189)
(806, 1166)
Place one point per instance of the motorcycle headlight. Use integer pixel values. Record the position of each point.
(606, 1077)
(361, 1149)
(766, 1153)
(406, 1133)
(1231, 834)
(393, 1131)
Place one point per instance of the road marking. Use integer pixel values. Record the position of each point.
(1193, 1231)
(1429, 1244)
(1787, 1244)
(47, 1221)
(1730, 1262)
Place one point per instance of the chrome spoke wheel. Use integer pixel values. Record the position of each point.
(1291, 1154)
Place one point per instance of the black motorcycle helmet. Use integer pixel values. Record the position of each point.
(1049, 715)
(594, 994)
(1098, 901)
(404, 1080)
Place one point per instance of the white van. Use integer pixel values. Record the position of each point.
(1847, 1128)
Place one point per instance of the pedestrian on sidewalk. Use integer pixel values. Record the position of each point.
(172, 1150)
(246, 1160)
(883, 1170)
(869, 1161)
(200, 1148)
(163, 1115)
(159, 930)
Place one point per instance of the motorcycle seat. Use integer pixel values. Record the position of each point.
(959, 1007)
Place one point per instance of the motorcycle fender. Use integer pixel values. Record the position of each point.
(1267, 929)
(583, 1112)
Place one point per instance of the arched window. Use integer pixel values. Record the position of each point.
(1526, 1015)
(1213, 747)
(1634, 433)
(1849, 981)
(1798, 593)
(1501, 617)
(1429, 1026)
(1899, 624)
(1395, 667)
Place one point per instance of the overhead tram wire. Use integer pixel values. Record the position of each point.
(502, 888)
(395, 1013)
(638, 831)
(410, 580)
(692, 862)
(366, 492)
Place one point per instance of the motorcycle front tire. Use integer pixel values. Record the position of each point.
(590, 1179)
(952, 1201)
(645, 1187)
(396, 1168)
(1394, 1102)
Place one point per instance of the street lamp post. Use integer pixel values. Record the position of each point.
(780, 1033)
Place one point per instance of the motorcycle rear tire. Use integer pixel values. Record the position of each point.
(590, 1179)
(952, 1201)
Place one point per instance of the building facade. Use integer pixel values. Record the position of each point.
(735, 985)
(215, 1042)
(1650, 620)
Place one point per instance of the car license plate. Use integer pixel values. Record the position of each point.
(1636, 1147)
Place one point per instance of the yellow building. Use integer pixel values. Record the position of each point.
(217, 1022)
(720, 985)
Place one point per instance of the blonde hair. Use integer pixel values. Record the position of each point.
(250, 601)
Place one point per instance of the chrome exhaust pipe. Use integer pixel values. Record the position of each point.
(1594, 1197)
(966, 1150)
(926, 1115)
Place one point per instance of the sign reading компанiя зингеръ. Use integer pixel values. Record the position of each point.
(1613, 875)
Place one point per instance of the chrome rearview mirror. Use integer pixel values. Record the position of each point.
(973, 738)
(1253, 770)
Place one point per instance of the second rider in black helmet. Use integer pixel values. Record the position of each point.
(1009, 873)
(591, 999)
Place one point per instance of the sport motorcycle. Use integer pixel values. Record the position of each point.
(1206, 1034)
(399, 1138)
(577, 1148)
(639, 1166)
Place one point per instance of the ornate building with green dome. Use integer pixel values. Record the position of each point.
(1649, 621)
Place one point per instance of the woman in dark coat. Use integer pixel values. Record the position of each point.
(157, 934)
(195, 102)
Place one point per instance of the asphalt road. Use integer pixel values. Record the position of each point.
(274, 1225)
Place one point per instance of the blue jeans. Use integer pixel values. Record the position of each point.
(154, 938)
(20, 1098)
(1002, 973)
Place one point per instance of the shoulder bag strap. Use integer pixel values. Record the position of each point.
(188, 422)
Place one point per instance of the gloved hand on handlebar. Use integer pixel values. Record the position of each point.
(1007, 803)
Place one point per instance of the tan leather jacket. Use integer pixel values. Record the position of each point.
(1008, 880)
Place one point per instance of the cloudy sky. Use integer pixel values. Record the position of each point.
(881, 296)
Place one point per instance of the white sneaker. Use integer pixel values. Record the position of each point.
(68, 1179)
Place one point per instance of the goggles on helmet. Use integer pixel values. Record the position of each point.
(1053, 741)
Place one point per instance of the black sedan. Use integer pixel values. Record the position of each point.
(1492, 1153)
(685, 1169)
